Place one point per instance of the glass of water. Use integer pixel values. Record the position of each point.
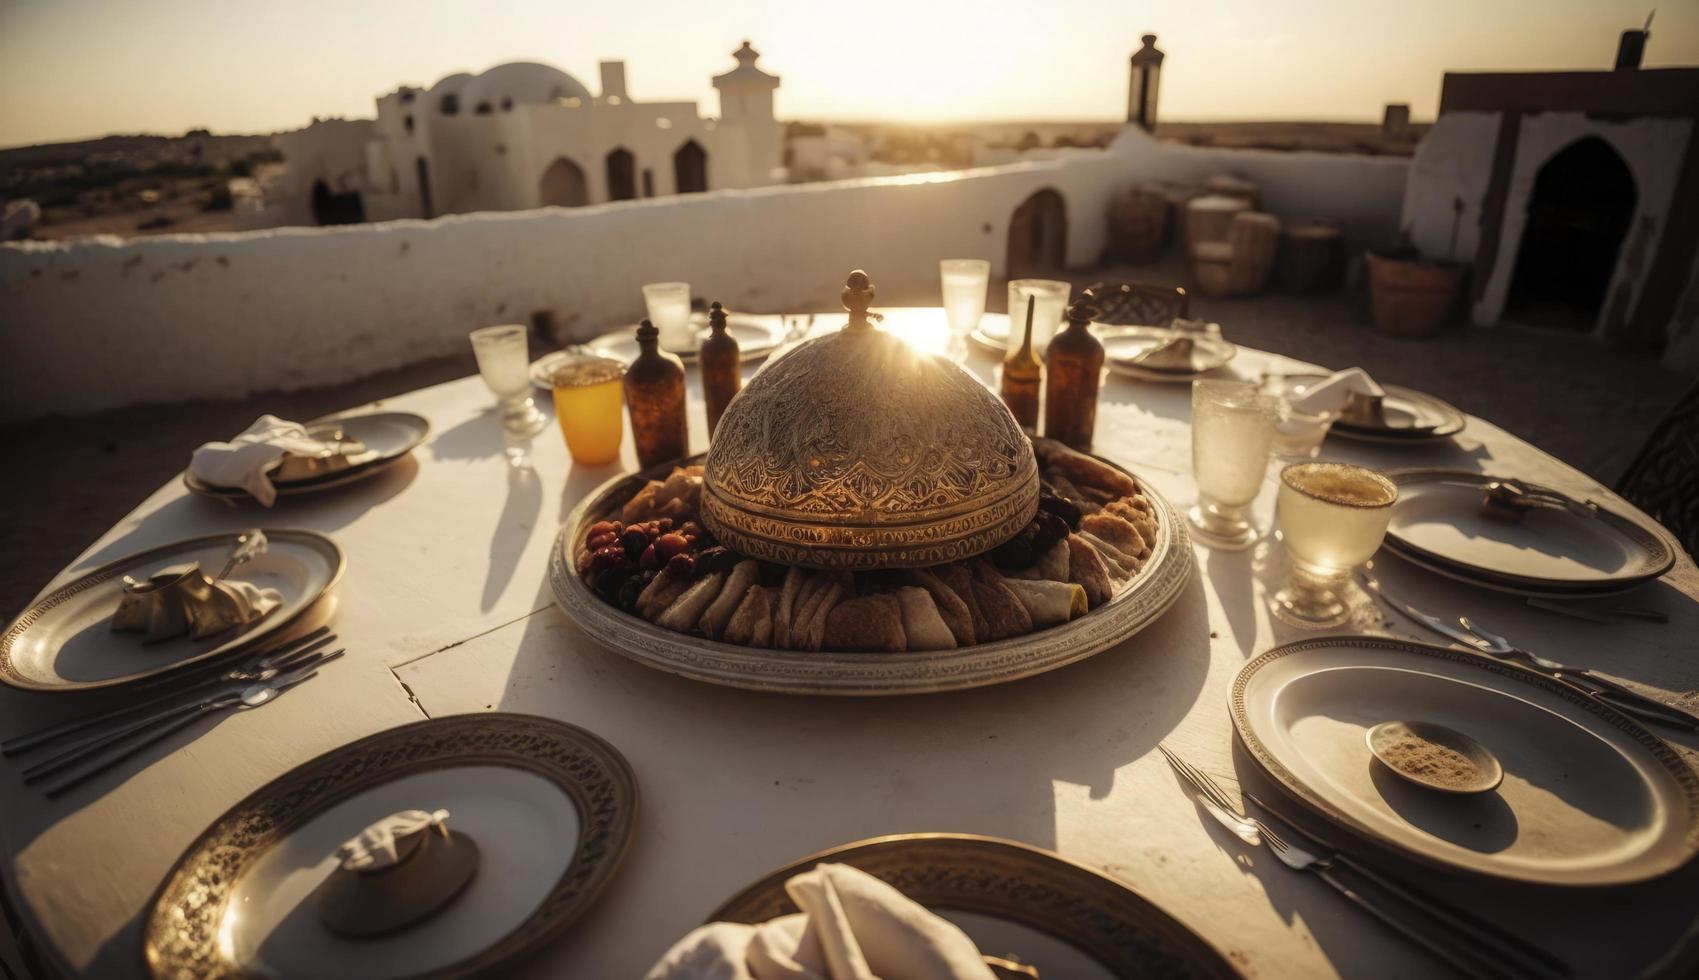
(504, 363)
(1232, 432)
(1050, 299)
(965, 282)
(669, 310)
(1332, 518)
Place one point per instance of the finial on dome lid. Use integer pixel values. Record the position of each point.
(857, 297)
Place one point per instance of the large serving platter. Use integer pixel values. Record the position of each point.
(1437, 523)
(1012, 899)
(552, 808)
(1589, 797)
(1137, 605)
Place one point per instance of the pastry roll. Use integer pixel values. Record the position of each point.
(719, 613)
(1083, 470)
(1048, 603)
(922, 626)
(869, 623)
(1087, 570)
(688, 608)
(952, 608)
(660, 593)
(1005, 614)
(752, 624)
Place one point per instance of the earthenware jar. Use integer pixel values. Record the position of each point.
(654, 395)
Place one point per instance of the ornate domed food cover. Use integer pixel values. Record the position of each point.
(854, 451)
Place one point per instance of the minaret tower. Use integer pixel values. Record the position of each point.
(1141, 88)
(746, 102)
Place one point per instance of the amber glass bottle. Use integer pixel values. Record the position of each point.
(1073, 367)
(722, 368)
(1023, 376)
(654, 395)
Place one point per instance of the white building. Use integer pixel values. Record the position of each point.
(526, 135)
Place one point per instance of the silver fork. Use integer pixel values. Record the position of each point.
(133, 739)
(264, 667)
(1492, 957)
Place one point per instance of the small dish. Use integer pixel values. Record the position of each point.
(1436, 756)
(386, 436)
(1406, 415)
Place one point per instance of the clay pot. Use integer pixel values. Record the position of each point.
(1412, 297)
(1138, 224)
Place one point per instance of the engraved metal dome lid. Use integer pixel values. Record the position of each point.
(855, 451)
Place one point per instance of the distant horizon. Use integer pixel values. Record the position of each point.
(83, 66)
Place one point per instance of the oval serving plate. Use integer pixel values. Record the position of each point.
(864, 674)
(64, 640)
(1589, 797)
(551, 807)
(388, 436)
(1010, 898)
(1415, 416)
(1437, 522)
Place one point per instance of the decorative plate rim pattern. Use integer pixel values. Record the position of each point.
(1660, 549)
(180, 931)
(329, 481)
(268, 627)
(1158, 586)
(1457, 419)
(1672, 763)
(1094, 912)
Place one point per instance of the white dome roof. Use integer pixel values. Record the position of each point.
(451, 83)
(521, 82)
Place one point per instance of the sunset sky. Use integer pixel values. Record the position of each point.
(77, 68)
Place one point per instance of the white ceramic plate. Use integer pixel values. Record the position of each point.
(387, 436)
(1411, 416)
(1438, 520)
(64, 640)
(1122, 344)
(1013, 901)
(1589, 797)
(756, 336)
(550, 806)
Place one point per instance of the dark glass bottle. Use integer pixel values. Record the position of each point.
(1023, 376)
(1073, 368)
(722, 368)
(654, 395)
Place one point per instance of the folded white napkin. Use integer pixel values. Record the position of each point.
(246, 460)
(1329, 394)
(852, 927)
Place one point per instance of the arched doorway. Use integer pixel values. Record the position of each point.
(622, 175)
(690, 168)
(563, 185)
(1578, 214)
(331, 208)
(424, 172)
(1038, 236)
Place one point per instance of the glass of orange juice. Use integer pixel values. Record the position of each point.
(589, 400)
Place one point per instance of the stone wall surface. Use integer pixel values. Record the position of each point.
(102, 323)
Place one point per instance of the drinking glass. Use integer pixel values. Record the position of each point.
(669, 311)
(1050, 298)
(1332, 518)
(1298, 434)
(504, 362)
(965, 282)
(1232, 432)
(589, 402)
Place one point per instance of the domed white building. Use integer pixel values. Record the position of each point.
(526, 135)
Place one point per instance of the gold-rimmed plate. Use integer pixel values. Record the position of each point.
(1552, 551)
(1014, 901)
(551, 807)
(1133, 607)
(1411, 416)
(1589, 797)
(387, 436)
(64, 640)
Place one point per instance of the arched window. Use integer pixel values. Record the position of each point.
(1038, 235)
(483, 109)
(563, 185)
(331, 208)
(1578, 215)
(622, 175)
(408, 122)
(449, 104)
(690, 168)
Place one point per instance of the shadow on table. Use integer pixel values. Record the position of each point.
(1642, 921)
(834, 770)
(514, 527)
(325, 512)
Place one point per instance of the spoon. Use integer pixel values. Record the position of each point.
(1428, 755)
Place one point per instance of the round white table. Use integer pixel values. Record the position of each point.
(445, 609)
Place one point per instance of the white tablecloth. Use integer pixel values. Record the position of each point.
(446, 609)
